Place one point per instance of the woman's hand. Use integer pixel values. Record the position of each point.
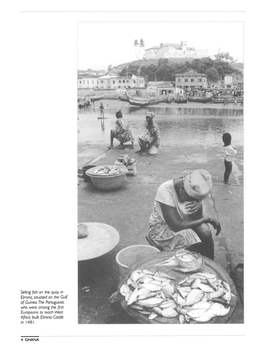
(192, 207)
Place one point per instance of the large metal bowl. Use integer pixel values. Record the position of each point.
(107, 182)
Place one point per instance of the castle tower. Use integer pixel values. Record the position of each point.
(184, 45)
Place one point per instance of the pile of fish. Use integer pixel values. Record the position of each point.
(198, 297)
(108, 170)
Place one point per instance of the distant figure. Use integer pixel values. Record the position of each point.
(150, 142)
(225, 102)
(229, 153)
(235, 102)
(241, 102)
(101, 110)
(121, 132)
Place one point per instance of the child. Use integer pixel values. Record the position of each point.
(229, 152)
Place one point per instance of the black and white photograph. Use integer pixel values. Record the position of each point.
(160, 173)
(132, 190)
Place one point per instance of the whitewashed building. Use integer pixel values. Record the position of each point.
(171, 50)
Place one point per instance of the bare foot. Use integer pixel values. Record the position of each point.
(110, 147)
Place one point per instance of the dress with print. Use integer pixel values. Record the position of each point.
(122, 131)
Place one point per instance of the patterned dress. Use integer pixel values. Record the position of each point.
(149, 136)
(122, 131)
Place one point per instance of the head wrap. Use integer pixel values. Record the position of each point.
(119, 114)
(197, 184)
(150, 115)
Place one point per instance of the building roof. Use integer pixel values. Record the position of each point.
(191, 73)
(156, 47)
(177, 46)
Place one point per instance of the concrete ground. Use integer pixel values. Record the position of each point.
(128, 209)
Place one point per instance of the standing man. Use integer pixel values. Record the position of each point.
(101, 110)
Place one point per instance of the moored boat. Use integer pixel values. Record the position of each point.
(199, 99)
(95, 98)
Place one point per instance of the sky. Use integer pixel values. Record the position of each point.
(101, 44)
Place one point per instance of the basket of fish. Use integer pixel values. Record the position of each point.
(155, 295)
(107, 177)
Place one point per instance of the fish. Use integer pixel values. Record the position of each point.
(168, 289)
(151, 302)
(169, 312)
(147, 271)
(147, 295)
(134, 276)
(135, 306)
(212, 284)
(156, 282)
(168, 303)
(132, 297)
(226, 286)
(181, 310)
(217, 293)
(157, 310)
(227, 297)
(195, 295)
(182, 319)
(124, 290)
(215, 309)
(205, 288)
(201, 305)
(196, 283)
(145, 312)
(196, 312)
(150, 287)
(182, 293)
(152, 315)
(183, 281)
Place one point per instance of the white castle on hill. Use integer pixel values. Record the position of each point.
(170, 50)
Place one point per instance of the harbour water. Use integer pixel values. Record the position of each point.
(199, 126)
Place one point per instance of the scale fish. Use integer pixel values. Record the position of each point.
(152, 302)
(169, 312)
(195, 295)
(206, 288)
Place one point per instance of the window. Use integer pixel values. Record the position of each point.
(124, 81)
(119, 82)
(101, 82)
(199, 80)
(192, 80)
(127, 80)
(179, 80)
(92, 82)
(113, 81)
(83, 81)
(186, 80)
(135, 81)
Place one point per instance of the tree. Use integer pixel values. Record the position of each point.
(136, 45)
(109, 68)
(141, 45)
(212, 74)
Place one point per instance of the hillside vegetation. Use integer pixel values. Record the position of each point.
(166, 69)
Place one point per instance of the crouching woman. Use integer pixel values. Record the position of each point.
(177, 220)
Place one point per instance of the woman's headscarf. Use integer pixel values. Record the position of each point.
(198, 184)
(150, 115)
(119, 114)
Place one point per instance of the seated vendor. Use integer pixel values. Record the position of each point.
(177, 220)
(121, 132)
(150, 141)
